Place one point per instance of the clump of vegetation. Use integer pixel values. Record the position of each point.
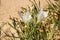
(37, 23)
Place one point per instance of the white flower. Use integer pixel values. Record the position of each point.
(42, 14)
(26, 17)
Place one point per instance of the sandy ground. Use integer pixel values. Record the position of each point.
(10, 8)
